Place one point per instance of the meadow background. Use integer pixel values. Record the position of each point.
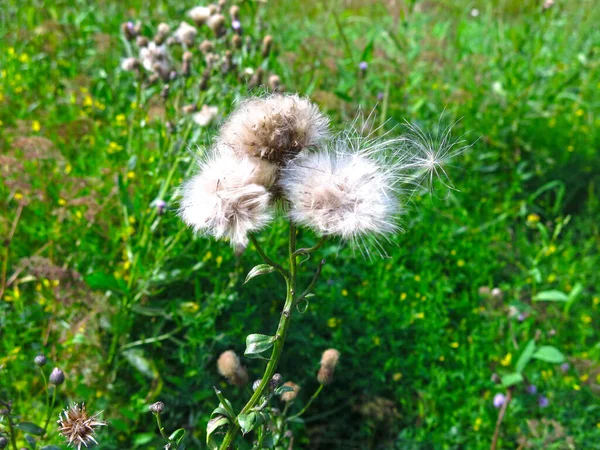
(134, 308)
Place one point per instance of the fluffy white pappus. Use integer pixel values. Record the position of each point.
(155, 58)
(349, 190)
(185, 34)
(229, 198)
(200, 14)
(276, 127)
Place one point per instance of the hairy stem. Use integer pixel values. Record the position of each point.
(284, 323)
(500, 417)
(312, 399)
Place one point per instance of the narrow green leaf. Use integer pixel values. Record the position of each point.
(225, 404)
(29, 427)
(177, 435)
(31, 441)
(261, 269)
(525, 356)
(247, 421)
(50, 447)
(257, 344)
(573, 295)
(283, 389)
(551, 296)
(549, 354)
(511, 379)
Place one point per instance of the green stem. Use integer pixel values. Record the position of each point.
(13, 437)
(284, 323)
(312, 399)
(161, 429)
(306, 251)
(264, 256)
(50, 409)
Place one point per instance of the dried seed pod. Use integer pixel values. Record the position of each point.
(206, 47)
(217, 24)
(130, 64)
(290, 395)
(164, 93)
(203, 85)
(267, 43)
(256, 79)
(329, 361)
(234, 12)
(199, 14)
(186, 66)
(274, 82)
(230, 367)
(141, 41)
(236, 41)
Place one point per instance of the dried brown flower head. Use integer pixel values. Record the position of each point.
(78, 426)
(329, 360)
(290, 395)
(230, 367)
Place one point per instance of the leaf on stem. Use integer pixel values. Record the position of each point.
(212, 426)
(260, 269)
(549, 354)
(257, 344)
(525, 356)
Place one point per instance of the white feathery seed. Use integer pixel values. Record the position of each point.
(229, 197)
(200, 14)
(185, 34)
(276, 127)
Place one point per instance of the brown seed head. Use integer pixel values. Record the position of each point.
(236, 41)
(267, 43)
(290, 395)
(230, 367)
(329, 360)
(217, 24)
(206, 47)
(234, 12)
(78, 426)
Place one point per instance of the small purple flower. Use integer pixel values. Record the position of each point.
(363, 66)
(521, 317)
(499, 400)
(543, 401)
(380, 96)
(160, 205)
(130, 26)
(236, 25)
(531, 389)
(565, 367)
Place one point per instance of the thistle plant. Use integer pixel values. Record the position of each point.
(276, 155)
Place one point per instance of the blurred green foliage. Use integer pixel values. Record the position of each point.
(135, 308)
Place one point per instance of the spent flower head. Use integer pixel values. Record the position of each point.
(78, 426)
(329, 361)
(157, 408)
(230, 367)
(290, 396)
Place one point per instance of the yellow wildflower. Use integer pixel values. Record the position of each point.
(397, 376)
(506, 360)
(35, 126)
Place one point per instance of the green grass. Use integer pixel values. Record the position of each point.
(135, 308)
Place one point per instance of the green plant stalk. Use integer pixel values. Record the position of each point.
(312, 399)
(50, 409)
(11, 429)
(161, 429)
(282, 328)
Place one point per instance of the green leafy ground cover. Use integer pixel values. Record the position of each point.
(135, 309)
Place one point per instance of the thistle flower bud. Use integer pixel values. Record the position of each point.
(227, 62)
(163, 28)
(256, 78)
(129, 30)
(255, 385)
(234, 12)
(248, 43)
(188, 109)
(290, 396)
(236, 41)
(160, 206)
(267, 43)
(157, 408)
(217, 24)
(230, 367)
(329, 360)
(3, 442)
(130, 64)
(236, 26)
(141, 41)
(275, 381)
(57, 377)
(171, 128)
(274, 82)
(40, 360)
(206, 47)
(484, 292)
(363, 66)
(172, 75)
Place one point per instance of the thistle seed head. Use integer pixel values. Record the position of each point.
(157, 408)
(200, 14)
(267, 43)
(78, 426)
(40, 360)
(230, 367)
(216, 23)
(329, 361)
(276, 127)
(290, 396)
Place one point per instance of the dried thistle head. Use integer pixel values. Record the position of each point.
(230, 367)
(216, 23)
(276, 127)
(267, 43)
(200, 14)
(78, 426)
(185, 34)
(290, 396)
(329, 361)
